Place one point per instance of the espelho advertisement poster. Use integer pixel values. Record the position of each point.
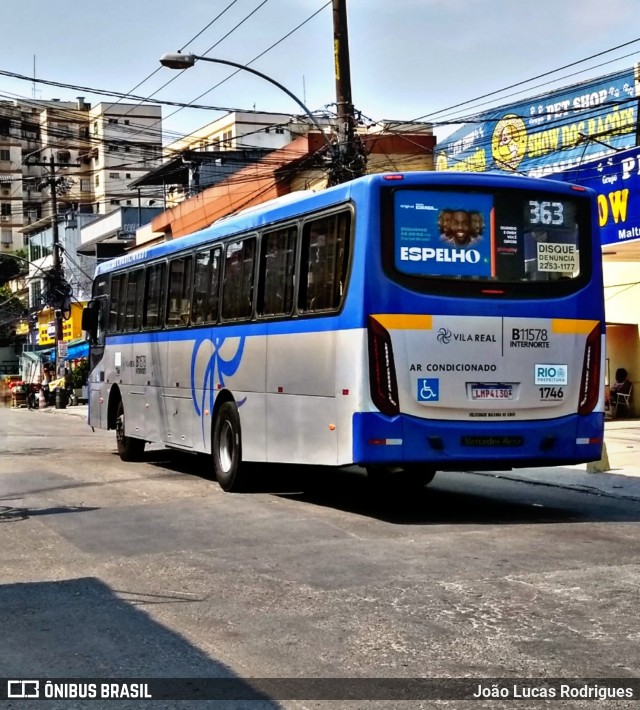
(442, 233)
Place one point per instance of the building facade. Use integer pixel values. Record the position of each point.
(87, 154)
(296, 158)
(220, 148)
(588, 134)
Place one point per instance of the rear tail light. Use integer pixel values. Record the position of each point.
(382, 370)
(590, 380)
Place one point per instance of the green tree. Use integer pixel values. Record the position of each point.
(11, 310)
(13, 264)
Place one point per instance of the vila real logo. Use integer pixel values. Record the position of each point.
(445, 336)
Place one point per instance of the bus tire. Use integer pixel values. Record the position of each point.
(129, 448)
(419, 474)
(410, 477)
(227, 449)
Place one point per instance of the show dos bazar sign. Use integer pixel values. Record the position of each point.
(548, 133)
(616, 179)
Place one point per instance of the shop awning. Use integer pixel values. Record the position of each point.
(77, 349)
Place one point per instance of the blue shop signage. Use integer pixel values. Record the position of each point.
(616, 179)
(549, 133)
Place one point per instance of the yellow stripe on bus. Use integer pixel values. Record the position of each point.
(402, 321)
(572, 326)
(399, 321)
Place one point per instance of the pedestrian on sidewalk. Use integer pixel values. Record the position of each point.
(622, 386)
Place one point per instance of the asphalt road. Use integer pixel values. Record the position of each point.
(149, 570)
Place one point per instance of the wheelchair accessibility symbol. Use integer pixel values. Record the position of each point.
(428, 389)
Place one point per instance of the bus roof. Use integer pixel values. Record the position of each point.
(296, 204)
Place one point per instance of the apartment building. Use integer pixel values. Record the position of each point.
(241, 129)
(126, 143)
(222, 147)
(89, 154)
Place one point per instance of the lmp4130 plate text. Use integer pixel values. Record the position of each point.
(480, 392)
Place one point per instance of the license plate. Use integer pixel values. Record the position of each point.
(491, 392)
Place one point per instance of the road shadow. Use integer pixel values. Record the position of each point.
(30, 483)
(10, 514)
(81, 629)
(453, 497)
(437, 504)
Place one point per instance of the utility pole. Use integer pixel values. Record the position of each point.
(58, 290)
(58, 277)
(349, 156)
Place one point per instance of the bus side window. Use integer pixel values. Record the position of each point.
(117, 303)
(100, 288)
(206, 282)
(277, 271)
(179, 295)
(237, 294)
(324, 263)
(154, 296)
(213, 305)
(135, 286)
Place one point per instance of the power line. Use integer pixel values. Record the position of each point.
(268, 49)
(173, 78)
(534, 78)
(106, 92)
(204, 29)
(565, 77)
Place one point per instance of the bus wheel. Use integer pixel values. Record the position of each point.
(129, 448)
(227, 449)
(410, 477)
(419, 474)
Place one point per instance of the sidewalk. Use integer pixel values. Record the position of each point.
(77, 410)
(622, 441)
(617, 474)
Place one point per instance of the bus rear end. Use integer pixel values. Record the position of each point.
(486, 332)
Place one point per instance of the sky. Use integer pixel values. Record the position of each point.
(409, 59)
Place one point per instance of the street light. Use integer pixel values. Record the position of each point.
(186, 61)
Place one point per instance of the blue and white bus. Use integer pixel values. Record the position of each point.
(406, 323)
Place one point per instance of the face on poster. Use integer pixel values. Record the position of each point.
(442, 233)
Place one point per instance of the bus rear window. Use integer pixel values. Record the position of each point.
(505, 236)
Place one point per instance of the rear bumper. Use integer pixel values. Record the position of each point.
(379, 439)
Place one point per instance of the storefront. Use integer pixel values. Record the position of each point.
(616, 179)
(585, 134)
(71, 326)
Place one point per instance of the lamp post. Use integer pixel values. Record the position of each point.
(186, 61)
